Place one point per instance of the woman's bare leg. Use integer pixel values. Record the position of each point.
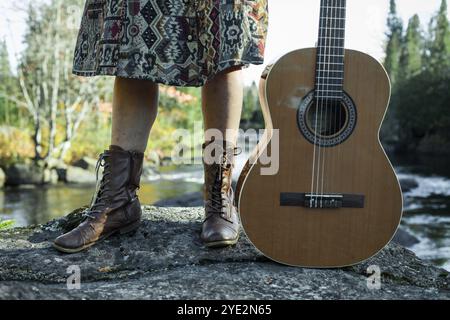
(222, 108)
(222, 99)
(135, 107)
(116, 206)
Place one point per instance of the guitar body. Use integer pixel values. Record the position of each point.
(297, 235)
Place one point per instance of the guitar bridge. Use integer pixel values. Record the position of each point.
(321, 201)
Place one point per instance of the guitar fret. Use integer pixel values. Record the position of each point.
(330, 78)
(325, 72)
(340, 71)
(333, 18)
(333, 38)
(324, 60)
(324, 57)
(332, 7)
(339, 29)
(331, 42)
(321, 47)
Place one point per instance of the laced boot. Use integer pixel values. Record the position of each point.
(221, 225)
(115, 207)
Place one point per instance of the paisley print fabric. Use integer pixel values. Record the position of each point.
(174, 42)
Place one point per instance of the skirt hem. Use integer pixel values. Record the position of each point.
(161, 79)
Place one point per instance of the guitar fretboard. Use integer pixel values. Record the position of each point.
(330, 50)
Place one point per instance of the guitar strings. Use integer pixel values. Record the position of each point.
(336, 104)
(328, 94)
(318, 125)
(321, 96)
(324, 97)
(318, 65)
(333, 104)
(334, 121)
(344, 15)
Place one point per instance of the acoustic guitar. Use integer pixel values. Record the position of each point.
(335, 200)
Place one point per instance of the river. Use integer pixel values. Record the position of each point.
(427, 206)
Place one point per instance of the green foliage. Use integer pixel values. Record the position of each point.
(179, 109)
(6, 224)
(423, 109)
(10, 114)
(438, 51)
(15, 145)
(419, 116)
(252, 116)
(412, 50)
(393, 46)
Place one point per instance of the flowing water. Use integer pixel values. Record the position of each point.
(427, 204)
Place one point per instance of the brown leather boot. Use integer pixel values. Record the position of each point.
(115, 207)
(221, 225)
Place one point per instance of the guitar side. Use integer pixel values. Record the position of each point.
(320, 237)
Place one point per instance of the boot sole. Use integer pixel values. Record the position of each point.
(222, 244)
(127, 229)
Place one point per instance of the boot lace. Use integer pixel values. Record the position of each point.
(99, 200)
(218, 200)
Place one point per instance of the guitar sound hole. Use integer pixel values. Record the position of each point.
(326, 119)
(327, 124)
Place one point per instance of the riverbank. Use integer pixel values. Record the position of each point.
(165, 259)
(80, 172)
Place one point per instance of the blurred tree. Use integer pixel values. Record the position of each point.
(8, 87)
(252, 115)
(421, 98)
(57, 101)
(439, 44)
(412, 50)
(423, 114)
(5, 75)
(394, 38)
(393, 50)
(5, 67)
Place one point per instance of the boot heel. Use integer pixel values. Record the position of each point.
(130, 228)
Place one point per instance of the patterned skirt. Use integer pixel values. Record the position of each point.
(174, 42)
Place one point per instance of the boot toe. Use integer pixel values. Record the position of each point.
(68, 242)
(223, 235)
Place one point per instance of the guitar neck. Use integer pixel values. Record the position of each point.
(331, 49)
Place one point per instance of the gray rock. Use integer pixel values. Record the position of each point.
(86, 163)
(404, 238)
(165, 259)
(153, 158)
(149, 173)
(2, 178)
(194, 199)
(51, 176)
(76, 175)
(29, 174)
